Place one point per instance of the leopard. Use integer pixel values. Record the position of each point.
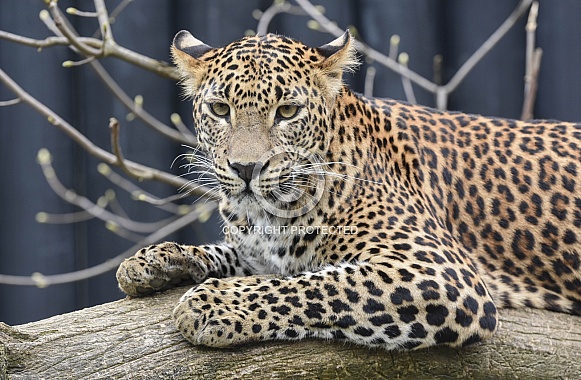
(364, 220)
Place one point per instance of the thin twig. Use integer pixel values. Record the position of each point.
(141, 195)
(114, 204)
(531, 59)
(142, 114)
(78, 12)
(78, 63)
(160, 68)
(40, 280)
(65, 29)
(119, 8)
(105, 27)
(114, 14)
(490, 43)
(68, 218)
(68, 195)
(369, 81)
(176, 120)
(406, 83)
(275, 9)
(84, 142)
(384, 60)
(529, 101)
(116, 147)
(11, 102)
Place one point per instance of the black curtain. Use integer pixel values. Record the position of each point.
(452, 28)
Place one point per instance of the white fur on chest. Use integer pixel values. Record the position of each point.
(267, 242)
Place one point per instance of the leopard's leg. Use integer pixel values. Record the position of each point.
(380, 302)
(162, 266)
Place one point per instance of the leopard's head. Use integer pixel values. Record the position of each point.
(262, 111)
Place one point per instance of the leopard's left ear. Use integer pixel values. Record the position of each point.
(340, 56)
(188, 54)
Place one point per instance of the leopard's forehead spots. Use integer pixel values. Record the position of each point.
(264, 68)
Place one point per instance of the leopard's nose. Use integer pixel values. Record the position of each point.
(244, 171)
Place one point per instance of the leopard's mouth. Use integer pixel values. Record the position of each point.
(284, 183)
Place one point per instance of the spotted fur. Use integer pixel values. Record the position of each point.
(447, 216)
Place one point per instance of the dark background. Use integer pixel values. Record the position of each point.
(452, 28)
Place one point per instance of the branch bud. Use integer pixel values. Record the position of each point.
(104, 169)
(44, 14)
(41, 217)
(176, 119)
(39, 280)
(43, 156)
(403, 59)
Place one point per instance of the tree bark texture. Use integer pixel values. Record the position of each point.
(136, 339)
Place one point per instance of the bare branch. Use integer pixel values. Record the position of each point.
(176, 120)
(160, 68)
(85, 143)
(68, 195)
(123, 233)
(369, 81)
(142, 114)
(114, 128)
(11, 102)
(276, 8)
(47, 42)
(65, 29)
(490, 43)
(77, 12)
(384, 60)
(42, 281)
(141, 195)
(68, 218)
(105, 27)
(118, 9)
(84, 61)
(441, 92)
(532, 64)
(408, 89)
(529, 101)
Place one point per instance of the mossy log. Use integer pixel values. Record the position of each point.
(136, 339)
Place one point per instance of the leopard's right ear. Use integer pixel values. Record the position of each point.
(188, 55)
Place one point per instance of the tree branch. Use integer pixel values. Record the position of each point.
(68, 195)
(441, 92)
(116, 147)
(487, 46)
(136, 338)
(533, 64)
(142, 114)
(42, 281)
(160, 68)
(85, 143)
(384, 60)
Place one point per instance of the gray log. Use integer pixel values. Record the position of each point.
(135, 339)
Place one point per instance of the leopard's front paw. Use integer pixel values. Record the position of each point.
(216, 314)
(159, 267)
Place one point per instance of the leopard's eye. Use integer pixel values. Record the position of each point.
(220, 109)
(287, 111)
